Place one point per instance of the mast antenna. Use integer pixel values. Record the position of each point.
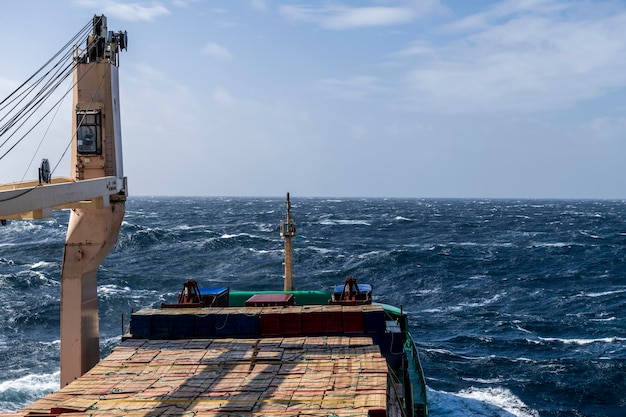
(287, 231)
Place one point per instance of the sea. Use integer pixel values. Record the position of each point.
(518, 307)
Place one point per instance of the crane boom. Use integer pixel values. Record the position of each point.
(95, 192)
(29, 200)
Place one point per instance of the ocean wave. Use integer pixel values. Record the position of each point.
(236, 235)
(604, 320)
(552, 245)
(265, 251)
(478, 402)
(600, 294)
(17, 393)
(27, 279)
(111, 290)
(43, 264)
(589, 234)
(479, 303)
(490, 381)
(402, 219)
(329, 222)
(582, 342)
(323, 251)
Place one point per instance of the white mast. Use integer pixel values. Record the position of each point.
(287, 231)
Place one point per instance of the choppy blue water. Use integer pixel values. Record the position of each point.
(518, 306)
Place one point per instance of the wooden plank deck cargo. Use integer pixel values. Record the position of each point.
(281, 376)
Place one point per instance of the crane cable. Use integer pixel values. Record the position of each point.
(51, 80)
(43, 95)
(26, 91)
(71, 139)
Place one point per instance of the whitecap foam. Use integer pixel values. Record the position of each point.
(320, 250)
(603, 320)
(600, 294)
(42, 264)
(369, 254)
(111, 289)
(492, 402)
(265, 251)
(29, 388)
(489, 381)
(589, 234)
(583, 341)
(401, 218)
(329, 222)
(232, 236)
(481, 303)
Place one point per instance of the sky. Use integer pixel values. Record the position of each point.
(351, 98)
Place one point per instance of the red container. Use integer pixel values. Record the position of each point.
(312, 323)
(353, 322)
(332, 322)
(269, 324)
(290, 323)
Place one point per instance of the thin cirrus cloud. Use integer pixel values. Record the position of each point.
(339, 17)
(132, 12)
(216, 51)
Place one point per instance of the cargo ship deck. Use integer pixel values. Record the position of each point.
(228, 375)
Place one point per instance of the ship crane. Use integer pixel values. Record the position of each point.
(95, 191)
(287, 231)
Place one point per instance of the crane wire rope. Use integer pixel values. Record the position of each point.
(53, 78)
(32, 112)
(69, 43)
(26, 91)
(43, 137)
(70, 141)
(43, 95)
(28, 110)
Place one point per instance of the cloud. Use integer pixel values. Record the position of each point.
(352, 88)
(184, 3)
(608, 128)
(504, 9)
(339, 17)
(534, 55)
(260, 5)
(223, 97)
(132, 12)
(216, 51)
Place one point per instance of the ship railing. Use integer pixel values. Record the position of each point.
(417, 375)
(392, 384)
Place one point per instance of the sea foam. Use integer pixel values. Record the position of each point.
(478, 402)
(18, 393)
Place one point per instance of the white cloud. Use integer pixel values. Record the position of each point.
(504, 9)
(416, 48)
(608, 128)
(339, 17)
(216, 51)
(184, 3)
(223, 97)
(126, 11)
(260, 5)
(531, 57)
(352, 88)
